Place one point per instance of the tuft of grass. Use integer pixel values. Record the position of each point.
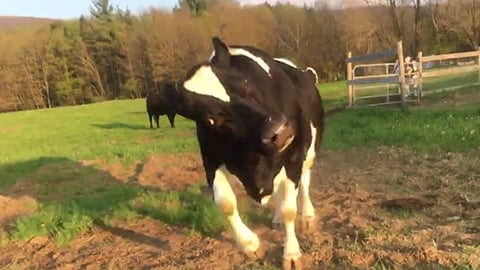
(63, 220)
(187, 207)
(66, 216)
(62, 223)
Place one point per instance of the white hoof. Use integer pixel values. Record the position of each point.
(250, 246)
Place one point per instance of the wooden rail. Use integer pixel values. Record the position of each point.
(449, 56)
(360, 82)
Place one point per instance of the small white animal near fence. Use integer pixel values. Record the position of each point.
(396, 79)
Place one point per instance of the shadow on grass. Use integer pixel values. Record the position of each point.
(135, 237)
(139, 112)
(72, 197)
(119, 125)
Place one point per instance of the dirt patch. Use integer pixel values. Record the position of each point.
(10, 129)
(420, 192)
(171, 171)
(353, 227)
(12, 208)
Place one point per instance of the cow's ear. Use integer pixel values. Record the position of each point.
(222, 56)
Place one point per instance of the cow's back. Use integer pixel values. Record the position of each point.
(310, 99)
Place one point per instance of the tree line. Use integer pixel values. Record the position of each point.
(114, 54)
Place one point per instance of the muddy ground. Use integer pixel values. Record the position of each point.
(385, 207)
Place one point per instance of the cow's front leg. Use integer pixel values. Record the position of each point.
(226, 200)
(288, 206)
(277, 222)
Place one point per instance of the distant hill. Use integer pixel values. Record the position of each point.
(9, 22)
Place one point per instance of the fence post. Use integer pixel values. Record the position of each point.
(420, 75)
(401, 78)
(478, 63)
(349, 78)
(387, 85)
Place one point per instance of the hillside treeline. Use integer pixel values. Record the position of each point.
(113, 54)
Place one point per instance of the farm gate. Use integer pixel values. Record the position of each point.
(373, 84)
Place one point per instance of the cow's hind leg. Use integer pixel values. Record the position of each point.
(150, 119)
(277, 222)
(306, 210)
(157, 116)
(227, 202)
(171, 119)
(288, 206)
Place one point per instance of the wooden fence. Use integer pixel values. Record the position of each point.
(394, 85)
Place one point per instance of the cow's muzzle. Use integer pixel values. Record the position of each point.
(278, 134)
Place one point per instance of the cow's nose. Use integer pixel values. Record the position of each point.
(273, 128)
(277, 133)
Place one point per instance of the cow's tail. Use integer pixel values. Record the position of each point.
(312, 73)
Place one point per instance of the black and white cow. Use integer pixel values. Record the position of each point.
(262, 121)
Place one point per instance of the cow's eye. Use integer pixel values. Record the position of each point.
(269, 119)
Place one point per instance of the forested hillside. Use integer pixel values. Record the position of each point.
(114, 54)
(8, 22)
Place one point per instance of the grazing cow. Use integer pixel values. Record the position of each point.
(260, 120)
(158, 104)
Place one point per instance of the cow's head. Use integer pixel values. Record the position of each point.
(230, 94)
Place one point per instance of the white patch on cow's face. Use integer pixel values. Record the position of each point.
(286, 62)
(205, 82)
(256, 59)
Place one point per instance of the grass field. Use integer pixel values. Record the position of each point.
(72, 169)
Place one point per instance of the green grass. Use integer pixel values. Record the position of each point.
(437, 83)
(42, 153)
(63, 221)
(112, 130)
(333, 94)
(442, 129)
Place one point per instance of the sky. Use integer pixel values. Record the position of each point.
(68, 9)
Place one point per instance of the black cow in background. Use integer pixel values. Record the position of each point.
(158, 104)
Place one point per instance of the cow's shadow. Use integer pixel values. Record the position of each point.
(120, 125)
(69, 187)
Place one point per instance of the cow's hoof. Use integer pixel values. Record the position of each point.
(307, 223)
(257, 254)
(292, 263)
(251, 246)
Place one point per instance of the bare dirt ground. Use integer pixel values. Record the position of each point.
(381, 207)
